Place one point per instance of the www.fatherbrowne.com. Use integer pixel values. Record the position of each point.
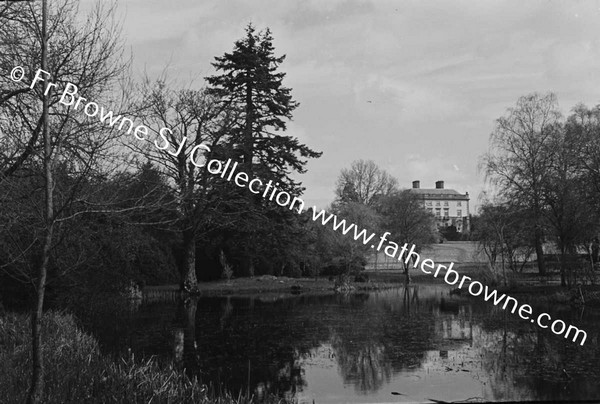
(404, 253)
(270, 191)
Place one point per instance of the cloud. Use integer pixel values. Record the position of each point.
(390, 80)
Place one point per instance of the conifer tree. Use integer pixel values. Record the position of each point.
(248, 81)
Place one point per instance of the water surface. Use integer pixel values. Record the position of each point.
(401, 345)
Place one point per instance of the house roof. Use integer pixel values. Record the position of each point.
(439, 193)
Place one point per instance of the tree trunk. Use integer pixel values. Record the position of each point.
(595, 250)
(248, 137)
(36, 392)
(562, 266)
(591, 276)
(189, 281)
(539, 251)
(248, 266)
(504, 270)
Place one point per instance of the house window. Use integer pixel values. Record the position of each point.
(438, 212)
(445, 203)
(458, 203)
(446, 212)
(437, 203)
(459, 212)
(428, 203)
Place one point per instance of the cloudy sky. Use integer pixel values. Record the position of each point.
(413, 85)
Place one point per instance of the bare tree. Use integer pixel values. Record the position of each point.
(87, 55)
(364, 182)
(189, 128)
(520, 157)
(504, 233)
(570, 189)
(408, 222)
(584, 124)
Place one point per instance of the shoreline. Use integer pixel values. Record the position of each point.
(268, 284)
(546, 291)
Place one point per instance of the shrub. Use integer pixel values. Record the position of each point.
(292, 270)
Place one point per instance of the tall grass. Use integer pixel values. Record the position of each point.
(76, 372)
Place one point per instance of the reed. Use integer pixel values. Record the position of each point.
(77, 372)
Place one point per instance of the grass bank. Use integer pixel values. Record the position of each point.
(535, 288)
(76, 371)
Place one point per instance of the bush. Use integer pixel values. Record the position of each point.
(292, 270)
(76, 372)
(450, 233)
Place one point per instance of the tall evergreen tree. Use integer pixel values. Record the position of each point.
(248, 80)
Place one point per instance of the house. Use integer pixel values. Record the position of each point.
(450, 207)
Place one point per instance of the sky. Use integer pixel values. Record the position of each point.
(415, 86)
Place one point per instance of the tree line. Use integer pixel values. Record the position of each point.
(125, 210)
(86, 209)
(371, 198)
(545, 171)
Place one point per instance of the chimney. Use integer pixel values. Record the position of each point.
(416, 184)
(439, 184)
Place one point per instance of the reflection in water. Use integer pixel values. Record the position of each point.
(227, 310)
(365, 365)
(418, 342)
(185, 346)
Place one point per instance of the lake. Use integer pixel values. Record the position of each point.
(399, 345)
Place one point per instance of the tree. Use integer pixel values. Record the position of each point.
(349, 253)
(584, 124)
(9, 14)
(407, 221)
(364, 182)
(84, 55)
(520, 157)
(568, 190)
(504, 233)
(190, 128)
(248, 82)
(87, 57)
